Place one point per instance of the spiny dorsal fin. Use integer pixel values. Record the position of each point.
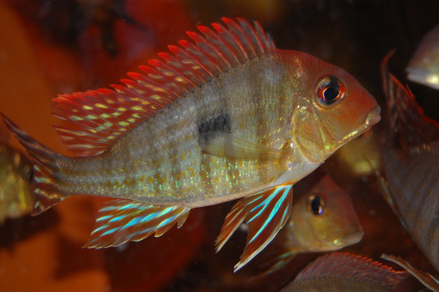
(407, 118)
(353, 267)
(100, 117)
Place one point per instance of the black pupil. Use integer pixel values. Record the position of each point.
(331, 93)
(316, 205)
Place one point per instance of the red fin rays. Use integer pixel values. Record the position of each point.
(265, 214)
(233, 219)
(120, 221)
(353, 267)
(407, 117)
(46, 195)
(100, 117)
(425, 278)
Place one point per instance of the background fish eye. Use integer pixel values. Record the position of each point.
(316, 204)
(28, 173)
(330, 90)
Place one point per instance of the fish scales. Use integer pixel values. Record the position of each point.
(226, 116)
(261, 109)
(411, 164)
(411, 199)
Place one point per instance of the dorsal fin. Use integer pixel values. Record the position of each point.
(338, 265)
(100, 117)
(407, 118)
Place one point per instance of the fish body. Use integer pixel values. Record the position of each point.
(16, 190)
(345, 272)
(410, 160)
(322, 219)
(228, 116)
(423, 68)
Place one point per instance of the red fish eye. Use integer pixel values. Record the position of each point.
(330, 90)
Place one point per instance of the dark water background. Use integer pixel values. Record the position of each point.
(51, 47)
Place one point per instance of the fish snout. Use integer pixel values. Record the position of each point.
(353, 237)
(373, 116)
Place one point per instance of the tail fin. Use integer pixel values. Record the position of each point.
(44, 159)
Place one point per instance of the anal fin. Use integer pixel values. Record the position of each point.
(120, 221)
(265, 214)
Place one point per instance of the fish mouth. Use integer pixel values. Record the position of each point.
(373, 116)
(353, 238)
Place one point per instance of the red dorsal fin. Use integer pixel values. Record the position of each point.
(351, 267)
(100, 117)
(407, 118)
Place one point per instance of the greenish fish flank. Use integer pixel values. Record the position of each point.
(227, 116)
(410, 161)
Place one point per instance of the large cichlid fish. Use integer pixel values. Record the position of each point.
(410, 160)
(345, 272)
(227, 116)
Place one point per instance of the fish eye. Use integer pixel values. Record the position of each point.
(28, 173)
(330, 90)
(316, 204)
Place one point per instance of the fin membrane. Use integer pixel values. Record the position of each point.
(353, 267)
(99, 117)
(44, 160)
(223, 144)
(265, 214)
(120, 221)
(406, 116)
(425, 278)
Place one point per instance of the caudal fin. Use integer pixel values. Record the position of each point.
(44, 159)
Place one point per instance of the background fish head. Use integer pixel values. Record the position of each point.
(16, 191)
(332, 107)
(324, 219)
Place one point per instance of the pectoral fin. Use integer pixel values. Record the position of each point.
(276, 261)
(120, 221)
(222, 144)
(265, 214)
(283, 258)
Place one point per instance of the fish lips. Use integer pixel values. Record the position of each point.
(373, 116)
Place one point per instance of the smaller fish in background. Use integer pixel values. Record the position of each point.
(423, 68)
(346, 272)
(322, 219)
(16, 175)
(425, 278)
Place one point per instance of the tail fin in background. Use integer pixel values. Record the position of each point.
(44, 159)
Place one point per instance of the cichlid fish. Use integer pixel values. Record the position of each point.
(424, 66)
(16, 192)
(410, 160)
(425, 278)
(337, 272)
(227, 116)
(322, 219)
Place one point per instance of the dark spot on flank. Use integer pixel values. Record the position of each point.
(208, 128)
